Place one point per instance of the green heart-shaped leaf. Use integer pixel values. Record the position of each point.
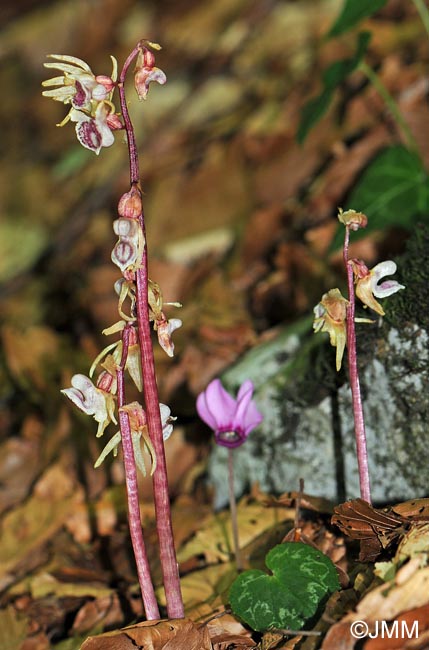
(392, 191)
(302, 578)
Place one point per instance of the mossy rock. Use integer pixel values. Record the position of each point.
(308, 430)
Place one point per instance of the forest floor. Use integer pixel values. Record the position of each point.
(241, 220)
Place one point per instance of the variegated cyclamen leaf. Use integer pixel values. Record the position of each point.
(302, 577)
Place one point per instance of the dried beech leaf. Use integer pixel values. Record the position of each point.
(174, 634)
(214, 538)
(204, 586)
(24, 529)
(13, 629)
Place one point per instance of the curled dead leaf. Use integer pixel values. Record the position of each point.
(174, 634)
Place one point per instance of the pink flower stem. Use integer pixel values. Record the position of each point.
(169, 564)
(361, 450)
(134, 519)
(233, 511)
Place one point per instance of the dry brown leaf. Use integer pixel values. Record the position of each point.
(105, 610)
(225, 631)
(19, 464)
(26, 528)
(307, 502)
(213, 539)
(408, 591)
(174, 634)
(29, 353)
(203, 586)
(408, 619)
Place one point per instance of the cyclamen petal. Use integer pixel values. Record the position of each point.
(220, 404)
(204, 411)
(252, 418)
(243, 402)
(231, 420)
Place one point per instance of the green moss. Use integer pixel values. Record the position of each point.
(412, 305)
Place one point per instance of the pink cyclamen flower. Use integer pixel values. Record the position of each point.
(368, 285)
(231, 419)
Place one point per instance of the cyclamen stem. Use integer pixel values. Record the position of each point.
(233, 510)
(160, 481)
(143, 570)
(360, 434)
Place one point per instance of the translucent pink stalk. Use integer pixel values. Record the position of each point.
(360, 434)
(134, 519)
(233, 511)
(160, 481)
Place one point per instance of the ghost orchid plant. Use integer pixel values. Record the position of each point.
(336, 315)
(91, 109)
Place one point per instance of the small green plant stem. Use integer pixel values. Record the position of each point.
(424, 13)
(164, 527)
(233, 511)
(390, 103)
(359, 422)
(134, 518)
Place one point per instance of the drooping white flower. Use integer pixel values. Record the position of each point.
(92, 401)
(94, 132)
(368, 286)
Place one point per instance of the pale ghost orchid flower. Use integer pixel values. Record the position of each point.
(140, 435)
(368, 285)
(92, 401)
(330, 316)
(78, 85)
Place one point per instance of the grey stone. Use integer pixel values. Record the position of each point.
(308, 429)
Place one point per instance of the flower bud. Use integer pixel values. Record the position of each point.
(359, 268)
(113, 122)
(125, 228)
(106, 382)
(145, 72)
(130, 204)
(105, 81)
(354, 220)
